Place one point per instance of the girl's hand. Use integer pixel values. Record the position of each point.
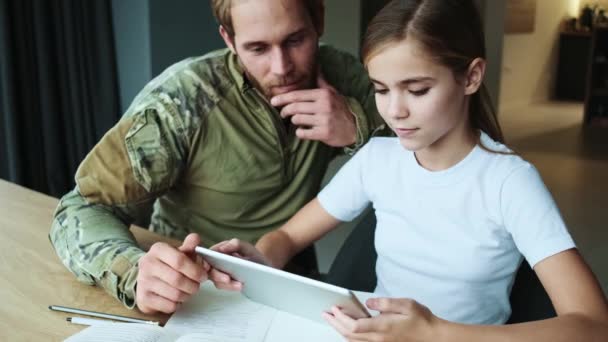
(239, 249)
(400, 319)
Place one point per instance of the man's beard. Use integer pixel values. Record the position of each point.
(306, 81)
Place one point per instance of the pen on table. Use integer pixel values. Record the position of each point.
(89, 321)
(101, 315)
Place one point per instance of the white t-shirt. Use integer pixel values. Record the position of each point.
(453, 239)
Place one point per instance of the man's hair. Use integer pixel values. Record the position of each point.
(221, 11)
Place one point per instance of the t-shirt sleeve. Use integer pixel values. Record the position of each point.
(532, 217)
(345, 196)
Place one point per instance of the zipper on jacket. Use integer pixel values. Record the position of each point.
(275, 118)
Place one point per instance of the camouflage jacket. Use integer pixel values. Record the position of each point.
(211, 156)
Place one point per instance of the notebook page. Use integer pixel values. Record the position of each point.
(122, 332)
(216, 315)
(202, 338)
(292, 328)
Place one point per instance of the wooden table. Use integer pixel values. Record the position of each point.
(33, 277)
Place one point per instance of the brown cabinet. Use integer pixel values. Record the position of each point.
(596, 99)
(572, 67)
(582, 72)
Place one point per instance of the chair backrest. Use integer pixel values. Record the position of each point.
(529, 300)
(355, 264)
(355, 268)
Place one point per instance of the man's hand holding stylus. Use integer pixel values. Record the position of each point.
(168, 276)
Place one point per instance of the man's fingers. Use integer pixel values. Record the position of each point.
(174, 278)
(189, 245)
(164, 290)
(190, 242)
(156, 303)
(206, 266)
(179, 262)
(232, 286)
(223, 281)
(305, 120)
(228, 247)
(305, 95)
(167, 276)
(299, 108)
(218, 276)
(311, 133)
(236, 247)
(218, 245)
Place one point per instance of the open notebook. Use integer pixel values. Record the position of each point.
(213, 316)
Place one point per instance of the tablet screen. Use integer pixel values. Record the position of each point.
(285, 291)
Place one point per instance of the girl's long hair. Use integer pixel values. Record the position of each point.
(451, 32)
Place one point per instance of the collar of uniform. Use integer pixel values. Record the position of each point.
(238, 74)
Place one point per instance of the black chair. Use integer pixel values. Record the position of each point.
(355, 268)
(529, 300)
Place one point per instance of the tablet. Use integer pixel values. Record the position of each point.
(285, 291)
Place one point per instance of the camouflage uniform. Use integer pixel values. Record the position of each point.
(213, 157)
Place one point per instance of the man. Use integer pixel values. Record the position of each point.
(231, 144)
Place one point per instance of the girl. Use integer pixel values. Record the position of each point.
(455, 208)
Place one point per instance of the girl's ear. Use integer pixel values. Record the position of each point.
(475, 74)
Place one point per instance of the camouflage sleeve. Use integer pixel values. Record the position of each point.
(93, 241)
(350, 78)
(134, 163)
